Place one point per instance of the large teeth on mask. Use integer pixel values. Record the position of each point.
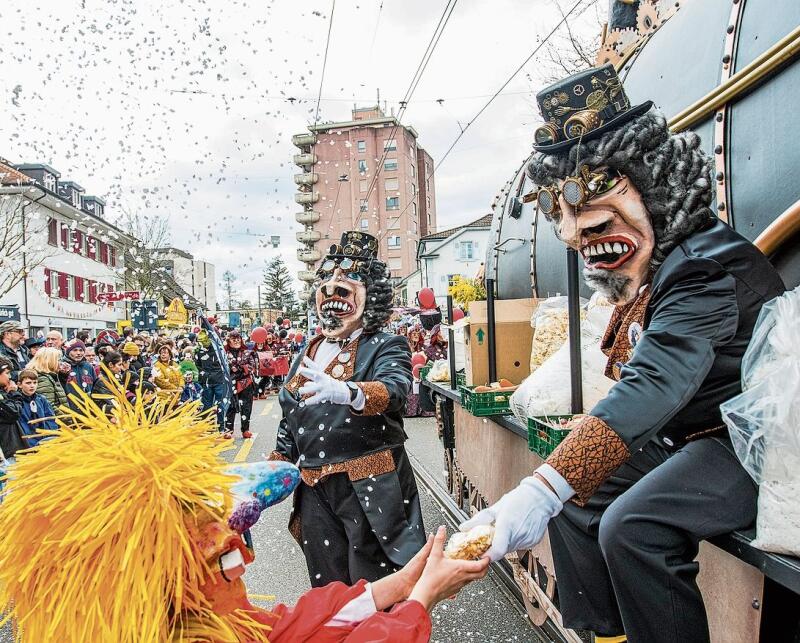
(608, 248)
(617, 247)
(624, 247)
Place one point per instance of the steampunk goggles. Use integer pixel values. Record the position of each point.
(576, 190)
(354, 269)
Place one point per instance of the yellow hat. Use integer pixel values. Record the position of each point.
(131, 349)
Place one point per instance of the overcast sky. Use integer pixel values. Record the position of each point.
(178, 108)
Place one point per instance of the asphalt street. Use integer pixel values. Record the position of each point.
(481, 612)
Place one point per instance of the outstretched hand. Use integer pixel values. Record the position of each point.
(443, 577)
(321, 387)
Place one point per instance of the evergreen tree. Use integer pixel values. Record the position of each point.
(278, 288)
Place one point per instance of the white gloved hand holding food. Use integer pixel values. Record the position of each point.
(520, 517)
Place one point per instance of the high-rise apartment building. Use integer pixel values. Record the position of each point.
(366, 174)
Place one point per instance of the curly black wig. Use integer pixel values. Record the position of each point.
(670, 171)
(377, 308)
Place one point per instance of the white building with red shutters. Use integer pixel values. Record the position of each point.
(77, 253)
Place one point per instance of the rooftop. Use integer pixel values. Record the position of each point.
(10, 176)
(484, 222)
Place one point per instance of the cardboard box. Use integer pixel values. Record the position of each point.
(513, 339)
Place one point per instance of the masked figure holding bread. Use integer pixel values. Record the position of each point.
(650, 471)
(356, 512)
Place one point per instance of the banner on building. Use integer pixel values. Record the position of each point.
(122, 295)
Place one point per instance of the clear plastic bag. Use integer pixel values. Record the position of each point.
(764, 422)
(546, 391)
(550, 323)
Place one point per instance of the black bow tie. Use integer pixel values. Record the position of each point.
(342, 342)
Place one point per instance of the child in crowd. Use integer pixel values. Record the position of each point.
(191, 389)
(36, 412)
(81, 374)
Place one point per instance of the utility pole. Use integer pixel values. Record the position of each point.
(259, 303)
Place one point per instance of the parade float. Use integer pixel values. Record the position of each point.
(729, 70)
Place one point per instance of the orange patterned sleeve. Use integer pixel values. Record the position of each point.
(588, 456)
(376, 398)
(275, 455)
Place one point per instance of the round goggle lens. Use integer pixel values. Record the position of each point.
(346, 264)
(573, 192)
(355, 276)
(544, 136)
(546, 201)
(329, 265)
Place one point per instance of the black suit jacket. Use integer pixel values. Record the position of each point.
(327, 433)
(704, 302)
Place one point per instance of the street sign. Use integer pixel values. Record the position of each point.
(144, 314)
(9, 313)
(122, 295)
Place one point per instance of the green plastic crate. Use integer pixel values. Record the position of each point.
(461, 379)
(485, 404)
(423, 372)
(543, 437)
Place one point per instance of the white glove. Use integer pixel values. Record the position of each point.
(520, 517)
(322, 387)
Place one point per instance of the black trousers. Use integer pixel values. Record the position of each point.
(337, 538)
(241, 403)
(625, 561)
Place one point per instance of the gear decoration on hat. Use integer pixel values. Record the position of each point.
(595, 103)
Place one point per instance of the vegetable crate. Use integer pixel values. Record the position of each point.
(485, 404)
(461, 378)
(423, 372)
(545, 433)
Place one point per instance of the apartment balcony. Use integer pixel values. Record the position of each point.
(307, 275)
(307, 217)
(306, 198)
(305, 159)
(305, 139)
(308, 255)
(306, 178)
(309, 236)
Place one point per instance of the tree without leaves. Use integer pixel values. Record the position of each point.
(279, 289)
(230, 292)
(22, 239)
(146, 269)
(573, 48)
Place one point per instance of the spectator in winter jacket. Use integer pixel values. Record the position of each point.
(10, 406)
(103, 391)
(46, 364)
(81, 375)
(132, 349)
(35, 412)
(12, 336)
(166, 373)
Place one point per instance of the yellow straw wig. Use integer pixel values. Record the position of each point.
(95, 544)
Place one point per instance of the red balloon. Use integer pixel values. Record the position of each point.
(318, 330)
(419, 358)
(298, 338)
(415, 370)
(287, 323)
(258, 335)
(457, 314)
(426, 298)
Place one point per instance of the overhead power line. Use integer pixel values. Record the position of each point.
(483, 109)
(324, 61)
(505, 84)
(426, 57)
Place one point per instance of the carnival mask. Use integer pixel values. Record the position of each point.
(341, 297)
(604, 218)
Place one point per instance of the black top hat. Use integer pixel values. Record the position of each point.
(583, 107)
(355, 245)
(355, 253)
(33, 342)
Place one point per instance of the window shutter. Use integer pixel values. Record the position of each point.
(103, 252)
(47, 278)
(63, 287)
(79, 288)
(112, 256)
(77, 240)
(52, 232)
(92, 291)
(65, 236)
(91, 248)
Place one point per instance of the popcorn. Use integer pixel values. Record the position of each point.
(470, 545)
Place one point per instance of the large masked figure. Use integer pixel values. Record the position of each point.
(650, 471)
(357, 512)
